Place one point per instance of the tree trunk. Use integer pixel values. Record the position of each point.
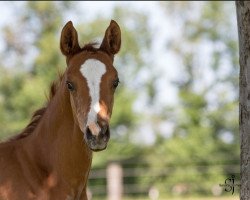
(243, 18)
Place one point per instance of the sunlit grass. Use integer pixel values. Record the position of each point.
(188, 198)
(234, 197)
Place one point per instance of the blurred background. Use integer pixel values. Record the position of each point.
(175, 121)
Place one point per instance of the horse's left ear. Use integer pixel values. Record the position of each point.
(112, 40)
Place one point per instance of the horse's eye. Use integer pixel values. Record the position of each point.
(116, 83)
(70, 86)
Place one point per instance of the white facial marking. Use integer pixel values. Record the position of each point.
(93, 71)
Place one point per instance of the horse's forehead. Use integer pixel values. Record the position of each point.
(91, 67)
(93, 70)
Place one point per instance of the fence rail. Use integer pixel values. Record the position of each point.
(113, 181)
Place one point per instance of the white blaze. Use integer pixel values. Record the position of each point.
(93, 71)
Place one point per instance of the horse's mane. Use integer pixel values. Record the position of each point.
(38, 114)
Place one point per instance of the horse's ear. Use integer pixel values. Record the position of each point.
(69, 40)
(112, 40)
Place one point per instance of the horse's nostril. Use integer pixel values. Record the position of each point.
(104, 129)
(88, 133)
(104, 134)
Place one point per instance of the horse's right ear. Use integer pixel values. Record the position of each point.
(69, 40)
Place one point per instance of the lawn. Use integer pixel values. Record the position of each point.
(235, 197)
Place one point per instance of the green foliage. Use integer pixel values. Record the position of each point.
(198, 149)
(205, 141)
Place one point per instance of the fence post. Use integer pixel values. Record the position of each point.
(114, 181)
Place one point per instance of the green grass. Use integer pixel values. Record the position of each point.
(234, 197)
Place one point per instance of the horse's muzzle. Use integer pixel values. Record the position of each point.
(97, 137)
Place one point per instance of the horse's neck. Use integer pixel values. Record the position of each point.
(58, 141)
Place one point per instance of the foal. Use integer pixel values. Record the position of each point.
(51, 158)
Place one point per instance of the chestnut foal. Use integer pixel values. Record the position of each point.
(51, 158)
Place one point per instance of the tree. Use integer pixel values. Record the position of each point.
(31, 63)
(205, 127)
(243, 18)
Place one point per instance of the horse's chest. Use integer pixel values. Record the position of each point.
(78, 193)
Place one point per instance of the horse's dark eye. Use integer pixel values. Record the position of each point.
(70, 86)
(116, 83)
